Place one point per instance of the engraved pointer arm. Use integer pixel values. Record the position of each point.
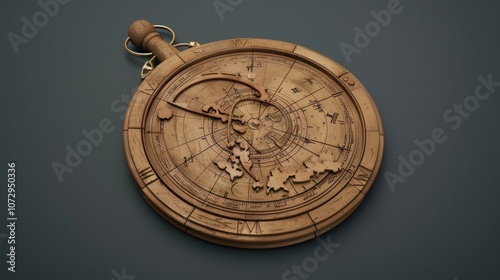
(224, 118)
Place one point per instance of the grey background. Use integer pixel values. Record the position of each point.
(441, 223)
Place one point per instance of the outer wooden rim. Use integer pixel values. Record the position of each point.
(187, 217)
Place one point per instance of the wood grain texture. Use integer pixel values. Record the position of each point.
(251, 143)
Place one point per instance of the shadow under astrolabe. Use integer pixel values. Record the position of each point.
(250, 143)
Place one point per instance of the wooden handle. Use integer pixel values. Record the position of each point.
(143, 34)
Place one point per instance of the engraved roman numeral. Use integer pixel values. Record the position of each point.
(296, 90)
(361, 177)
(146, 173)
(239, 43)
(249, 227)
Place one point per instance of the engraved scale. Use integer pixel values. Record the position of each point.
(250, 143)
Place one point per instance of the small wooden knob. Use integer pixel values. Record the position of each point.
(143, 34)
(138, 31)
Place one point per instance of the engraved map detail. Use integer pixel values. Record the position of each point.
(233, 167)
(313, 167)
(255, 127)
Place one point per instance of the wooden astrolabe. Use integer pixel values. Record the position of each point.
(250, 143)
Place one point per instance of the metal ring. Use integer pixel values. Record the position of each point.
(181, 45)
(189, 44)
(149, 53)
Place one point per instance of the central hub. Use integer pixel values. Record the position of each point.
(254, 124)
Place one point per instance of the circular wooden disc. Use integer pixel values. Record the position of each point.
(253, 143)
